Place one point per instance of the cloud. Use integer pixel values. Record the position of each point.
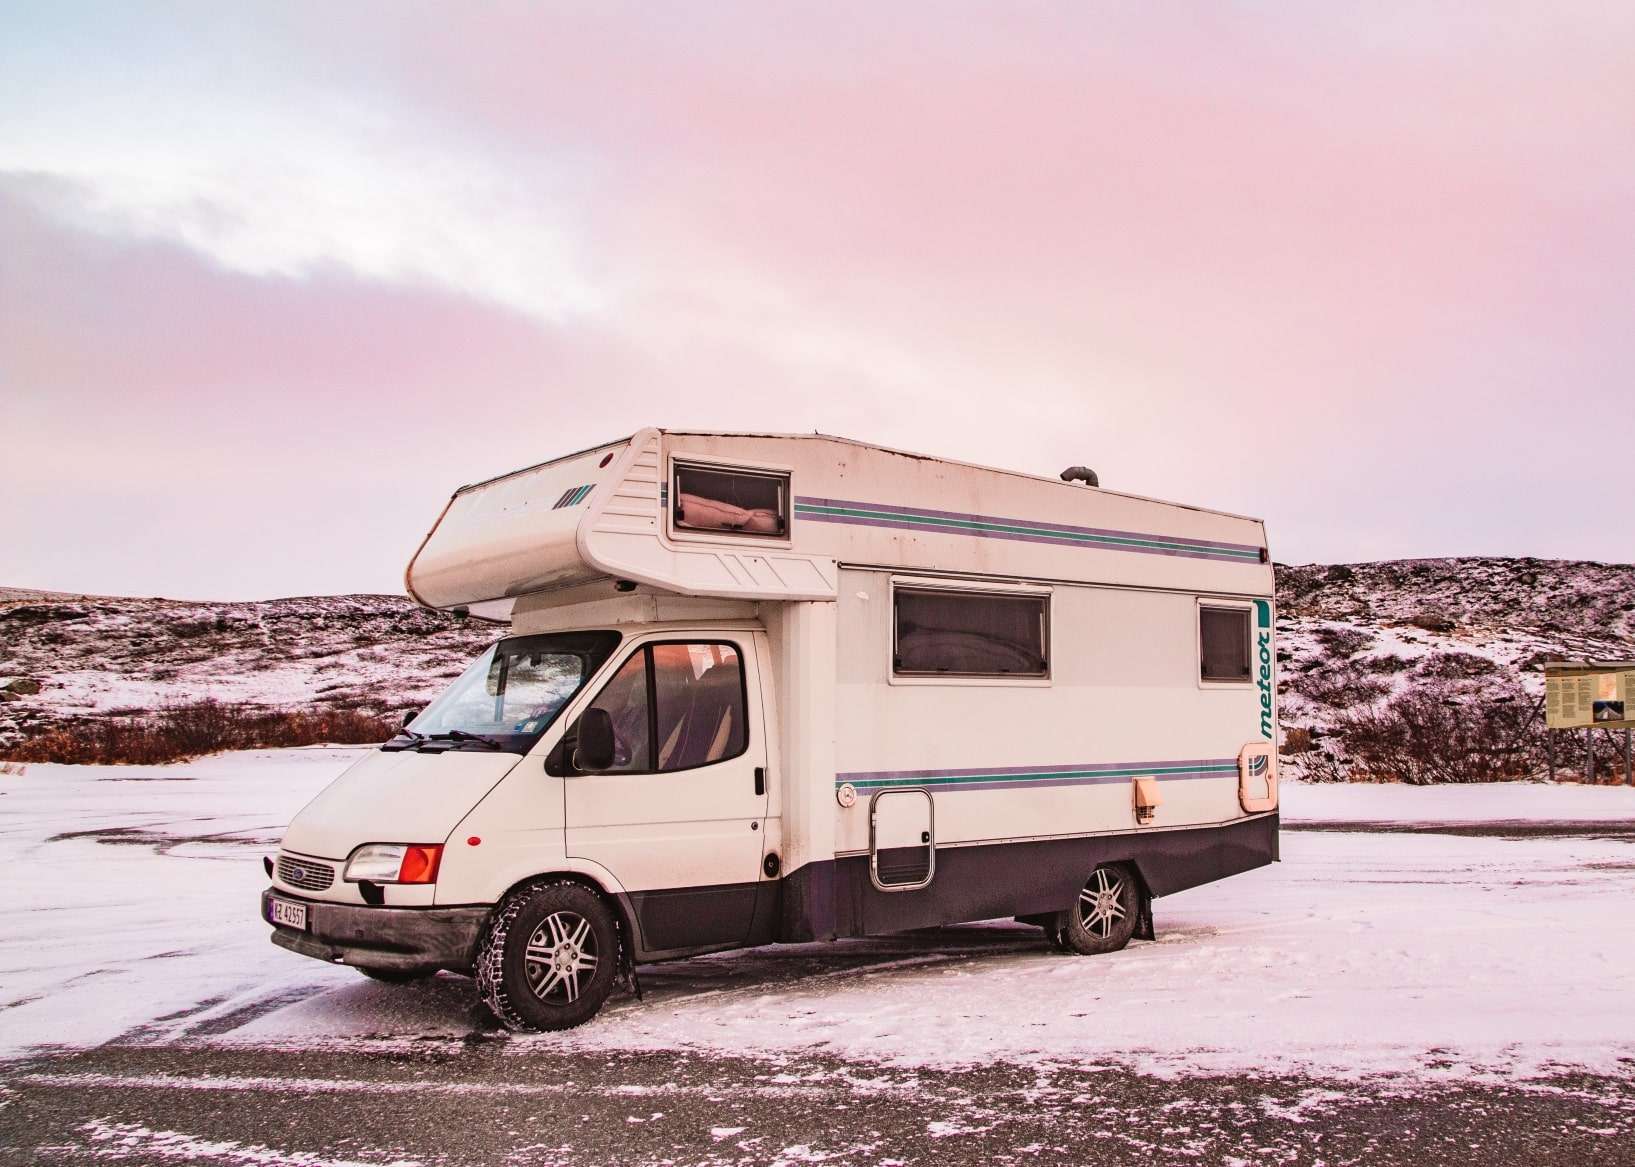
(177, 426)
(1369, 277)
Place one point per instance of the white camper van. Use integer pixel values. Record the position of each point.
(764, 688)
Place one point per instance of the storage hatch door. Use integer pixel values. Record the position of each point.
(902, 840)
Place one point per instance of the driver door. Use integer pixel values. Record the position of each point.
(677, 818)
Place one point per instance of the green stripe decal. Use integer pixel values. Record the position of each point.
(864, 514)
(1011, 778)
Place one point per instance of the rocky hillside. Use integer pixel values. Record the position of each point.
(1361, 648)
(65, 657)
(1430, 666)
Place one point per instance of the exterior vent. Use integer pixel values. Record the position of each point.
(1148, 798)
(306, 874)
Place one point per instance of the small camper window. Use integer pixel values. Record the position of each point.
(1223, 644)
(742, 502)
(970, 634)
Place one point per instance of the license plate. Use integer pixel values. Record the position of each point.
(287, 915)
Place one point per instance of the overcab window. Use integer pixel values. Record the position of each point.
(743, 502)
(1223, 642)
(970, 634)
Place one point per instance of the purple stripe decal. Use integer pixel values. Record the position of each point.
(1099, 538)
(1076, 767)
(1017, 537)
(1033, 777)
(1207, 544)
(1041, 783)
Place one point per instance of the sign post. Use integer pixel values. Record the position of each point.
(1590, 695)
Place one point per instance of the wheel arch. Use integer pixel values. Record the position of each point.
(629, 937)
(1143, 886)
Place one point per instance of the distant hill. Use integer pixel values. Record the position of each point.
(93, 655)
(1407, 657)
(1353, 639)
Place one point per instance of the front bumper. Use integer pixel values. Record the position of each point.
(383, 938)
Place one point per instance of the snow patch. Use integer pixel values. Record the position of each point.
(123, 1140)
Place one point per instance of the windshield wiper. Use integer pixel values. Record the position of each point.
(460, 735)
(396, 742)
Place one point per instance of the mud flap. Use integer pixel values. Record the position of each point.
(1143, 919)
(625, 976)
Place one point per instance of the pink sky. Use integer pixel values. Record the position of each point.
(274, 281)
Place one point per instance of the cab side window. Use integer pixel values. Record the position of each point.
(699, 691)
(625, 699)
(676, 706)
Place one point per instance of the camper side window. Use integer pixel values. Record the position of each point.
(970, 634)
(741, 502)
(1223, 644)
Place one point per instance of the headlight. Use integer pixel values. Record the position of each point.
(394, 863)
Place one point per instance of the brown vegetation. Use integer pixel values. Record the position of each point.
(181, 732)
(1297, 739)
(1437, 731)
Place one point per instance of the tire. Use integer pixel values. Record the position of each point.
(1105, 916)
(549, 956)
(397, 976)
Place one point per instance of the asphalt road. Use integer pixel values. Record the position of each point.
(487, 1101)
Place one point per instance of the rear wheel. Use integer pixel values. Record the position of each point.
(1104, 918)
(548, 957)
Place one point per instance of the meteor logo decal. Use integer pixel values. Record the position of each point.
(1263, 640)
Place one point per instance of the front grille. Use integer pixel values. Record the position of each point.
(306, 874)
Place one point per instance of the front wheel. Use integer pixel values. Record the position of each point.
(548, 957)
(1104, 918)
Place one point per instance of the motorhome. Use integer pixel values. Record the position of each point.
(761, 688)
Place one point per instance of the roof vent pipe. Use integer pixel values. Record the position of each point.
(1081, 474)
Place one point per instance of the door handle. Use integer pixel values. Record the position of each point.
(760, 780)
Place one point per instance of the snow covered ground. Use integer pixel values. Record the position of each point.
(133, 907)
(1365, 951)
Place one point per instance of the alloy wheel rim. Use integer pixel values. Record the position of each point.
(561, 958)
(1101, 903)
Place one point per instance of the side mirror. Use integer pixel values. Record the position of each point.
(593, 749)
(409, 715)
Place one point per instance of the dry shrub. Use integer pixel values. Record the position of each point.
(1342, 686)
(1456, 664)
(1297, 739)
(180, 732)
(1438, 731)
(1388, 662)
(1342, 641)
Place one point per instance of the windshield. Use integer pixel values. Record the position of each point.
(510, 695)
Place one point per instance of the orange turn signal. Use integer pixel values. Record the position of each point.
(420, 862)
